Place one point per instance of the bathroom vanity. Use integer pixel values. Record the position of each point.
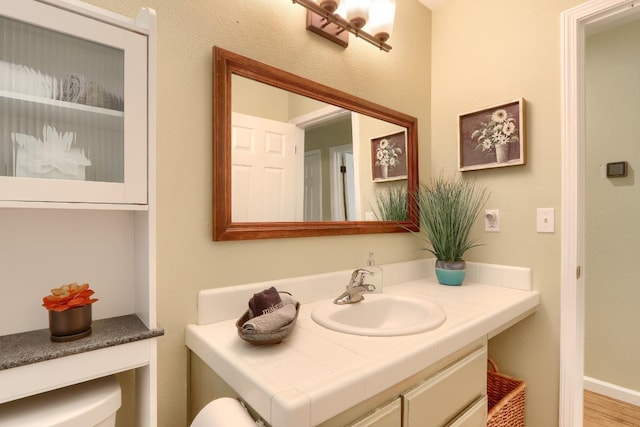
(320, 377)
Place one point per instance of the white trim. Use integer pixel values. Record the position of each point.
(355, 141)
(574, 24)
(336, 155)
(108, 17)
(319, 116)
(571, 320)
(613, 391)
(300, 151)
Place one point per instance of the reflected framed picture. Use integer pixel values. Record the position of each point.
(389, 157)
(493, 137)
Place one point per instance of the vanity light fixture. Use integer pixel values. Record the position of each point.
(370, 20)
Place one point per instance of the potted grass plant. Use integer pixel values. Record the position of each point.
(392, 204)
(447, 210)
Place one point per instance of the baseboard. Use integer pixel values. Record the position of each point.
(613, 391)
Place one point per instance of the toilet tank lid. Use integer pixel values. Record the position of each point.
(87, 403)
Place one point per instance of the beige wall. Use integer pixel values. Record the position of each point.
(272, 31)
(613, 223)
(370, 128)
(484, 53)
(260, 100)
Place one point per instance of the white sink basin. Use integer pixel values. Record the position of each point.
(380, 315)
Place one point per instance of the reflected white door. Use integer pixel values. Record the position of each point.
(263, 170)
(312, 186)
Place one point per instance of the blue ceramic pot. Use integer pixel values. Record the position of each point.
(450, 273)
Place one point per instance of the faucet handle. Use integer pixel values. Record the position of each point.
(357, 277)
(359, 272)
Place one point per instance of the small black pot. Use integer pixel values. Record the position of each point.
(71, 324)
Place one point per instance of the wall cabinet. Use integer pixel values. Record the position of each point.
(77, 193)
(73, 103)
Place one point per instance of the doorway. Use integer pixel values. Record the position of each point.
(612, 85)
(575, 23)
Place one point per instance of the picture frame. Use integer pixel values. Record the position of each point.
(389, 157)
(492, 137)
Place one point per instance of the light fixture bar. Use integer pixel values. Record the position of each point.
(342, 23)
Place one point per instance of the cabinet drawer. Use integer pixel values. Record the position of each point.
(475, 416)
(440, 398)
(389, 415)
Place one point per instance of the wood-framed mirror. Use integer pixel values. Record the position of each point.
(276, 137)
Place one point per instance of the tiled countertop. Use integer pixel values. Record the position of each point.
(316, 373)
(35, 346)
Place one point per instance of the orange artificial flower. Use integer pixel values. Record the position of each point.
(68, 296)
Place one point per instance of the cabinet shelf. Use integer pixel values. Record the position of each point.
(18, 101)
(35, 346)
(33, 364)
(74, 206)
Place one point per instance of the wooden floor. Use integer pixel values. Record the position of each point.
(602, 411)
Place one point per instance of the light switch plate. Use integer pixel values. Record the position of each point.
(545, 220)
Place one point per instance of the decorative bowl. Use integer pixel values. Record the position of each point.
(272, 337)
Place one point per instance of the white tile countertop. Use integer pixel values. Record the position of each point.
(316, 373)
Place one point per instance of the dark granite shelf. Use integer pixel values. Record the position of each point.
(35, 346)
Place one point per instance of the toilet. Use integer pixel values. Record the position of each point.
(223, 412)
(89, 404)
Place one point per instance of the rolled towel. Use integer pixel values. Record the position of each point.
(264, 302)
(76, 88)
(73, 88)
(271, 321)
(287, 299)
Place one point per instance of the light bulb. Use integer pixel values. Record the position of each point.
(358, 12)
(329, 5)
(381, 19)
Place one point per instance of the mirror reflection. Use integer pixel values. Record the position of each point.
(295, 158)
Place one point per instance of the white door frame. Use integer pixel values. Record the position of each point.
(339, 195)
(574, 24)
(315, 156)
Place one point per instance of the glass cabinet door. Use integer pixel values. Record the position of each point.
(72, 108)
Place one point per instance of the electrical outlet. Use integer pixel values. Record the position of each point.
(492, 220)
(545, 220)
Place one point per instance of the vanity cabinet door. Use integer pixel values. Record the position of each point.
(73, 108)
(389, 415)
(441, 398)
(475, 416)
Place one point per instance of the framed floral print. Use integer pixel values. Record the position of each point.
(493, 137)
(389, 157)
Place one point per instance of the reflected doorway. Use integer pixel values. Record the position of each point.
(343, 202)
(312, 185)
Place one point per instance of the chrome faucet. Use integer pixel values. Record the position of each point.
(356, 288)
